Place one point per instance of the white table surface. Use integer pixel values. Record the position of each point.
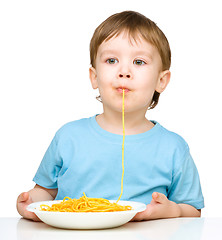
(164, 229)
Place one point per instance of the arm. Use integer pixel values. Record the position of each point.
(161, 207)
(189, 211)
(36, 194)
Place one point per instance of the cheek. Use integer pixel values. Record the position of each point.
(147, 85)
(105, 80)
(104, 86)
(148, 80)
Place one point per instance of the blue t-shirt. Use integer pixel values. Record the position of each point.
(83, 157)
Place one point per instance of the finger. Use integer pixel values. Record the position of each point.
(23, 201)
(25, 213)
(31, 216)
(145, 215)
(23, 197)
(159, 197)
(137, 217)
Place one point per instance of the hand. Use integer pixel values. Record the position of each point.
(159, 207)
(24, 199)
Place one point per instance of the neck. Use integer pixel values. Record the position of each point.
(135, 123)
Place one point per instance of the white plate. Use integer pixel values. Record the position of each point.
(86, 220)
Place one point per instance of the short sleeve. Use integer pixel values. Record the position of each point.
(47, 173)
(185, 187)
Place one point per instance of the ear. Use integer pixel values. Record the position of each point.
(163, 81)
(93, 77)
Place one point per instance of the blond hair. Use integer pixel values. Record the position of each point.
(135, 24)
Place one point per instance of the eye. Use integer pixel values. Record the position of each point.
(139, 62)
(111, 61)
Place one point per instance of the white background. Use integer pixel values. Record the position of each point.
(44, 83)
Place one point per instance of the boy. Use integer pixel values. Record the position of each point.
(128, 51)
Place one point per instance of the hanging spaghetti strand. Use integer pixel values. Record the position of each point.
(123, 124)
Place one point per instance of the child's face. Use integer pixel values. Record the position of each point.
(134, 66)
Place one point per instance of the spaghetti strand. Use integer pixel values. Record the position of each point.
(123, 124)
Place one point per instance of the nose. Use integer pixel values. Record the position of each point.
(124, 75)
(124, 71)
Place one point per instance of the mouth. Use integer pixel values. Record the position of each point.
(120, 89)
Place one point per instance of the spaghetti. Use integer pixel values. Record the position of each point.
(85, 204)
(123, 124)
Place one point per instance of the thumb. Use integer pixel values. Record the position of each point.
(159, 197)
(23, 197)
